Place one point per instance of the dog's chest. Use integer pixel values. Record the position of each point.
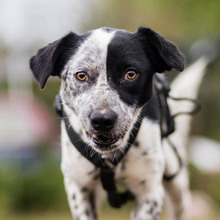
(144, 159)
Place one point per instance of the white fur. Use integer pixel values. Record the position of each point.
(144, 171)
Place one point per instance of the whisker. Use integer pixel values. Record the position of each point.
(93, 152)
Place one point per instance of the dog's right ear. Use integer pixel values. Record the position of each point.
(50, 60)
(163, 54)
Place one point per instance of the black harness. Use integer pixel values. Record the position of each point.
(106, 166)
(115, 198)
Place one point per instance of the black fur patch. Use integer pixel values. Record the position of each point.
(146, 52)
(126, 52)
(163, 54)
(151, 109)
(50, 60)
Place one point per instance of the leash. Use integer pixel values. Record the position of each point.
(167, 123)
(106, 166)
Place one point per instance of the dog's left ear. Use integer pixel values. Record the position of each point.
(50, 60)
(163, 54)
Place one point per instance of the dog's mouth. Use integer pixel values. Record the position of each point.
(103, 141)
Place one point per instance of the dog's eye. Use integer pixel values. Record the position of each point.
(130, 74)
(82, 76)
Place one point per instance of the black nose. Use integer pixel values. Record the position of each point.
(103, 120)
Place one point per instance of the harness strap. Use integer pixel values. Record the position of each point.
(193, 112)
(167, 123)
(169, 177)
(75, 139)
(115, 198)
(93, 157)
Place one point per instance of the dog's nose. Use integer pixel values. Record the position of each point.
(103, 120)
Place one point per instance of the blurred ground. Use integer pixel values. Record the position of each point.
(105, 215)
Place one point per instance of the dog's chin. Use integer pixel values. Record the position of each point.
(106, 150)
(104, 144)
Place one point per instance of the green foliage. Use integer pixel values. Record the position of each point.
(39, 189)
(179, 19)
(47, 96)
(208, 183)
(207, 121)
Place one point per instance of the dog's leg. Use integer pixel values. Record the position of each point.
(82, 201)
(144, 168)
(81, 180)
(149, 206)
(145, 183)
(149, 194)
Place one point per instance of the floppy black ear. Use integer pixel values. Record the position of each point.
(50, 60)
(163, 54)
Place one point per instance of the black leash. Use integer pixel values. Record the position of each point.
(194, 101)
(169, 177)
(167, 123)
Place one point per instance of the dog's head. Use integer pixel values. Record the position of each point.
(106, 77)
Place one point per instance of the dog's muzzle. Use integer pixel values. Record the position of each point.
(103, 121)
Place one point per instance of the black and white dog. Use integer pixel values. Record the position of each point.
(106, 89)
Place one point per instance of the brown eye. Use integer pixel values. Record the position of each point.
(82, 76)
(130, 74)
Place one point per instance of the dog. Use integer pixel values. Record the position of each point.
(107, 91)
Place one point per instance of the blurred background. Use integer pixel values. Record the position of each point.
(31, 184)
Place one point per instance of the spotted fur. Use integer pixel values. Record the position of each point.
(105, 55)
